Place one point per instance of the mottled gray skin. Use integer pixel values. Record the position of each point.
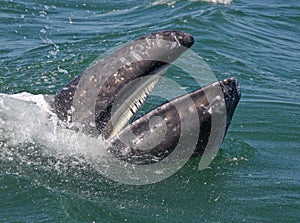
(124, 145)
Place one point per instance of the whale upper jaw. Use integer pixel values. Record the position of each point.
(90, 96)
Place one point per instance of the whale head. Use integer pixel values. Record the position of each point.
(105, 99)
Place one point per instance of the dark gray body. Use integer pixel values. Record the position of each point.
(133, 142)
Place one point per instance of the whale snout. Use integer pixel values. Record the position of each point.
(232, 94)
(182, 38)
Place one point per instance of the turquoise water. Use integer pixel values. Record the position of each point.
(254, 178)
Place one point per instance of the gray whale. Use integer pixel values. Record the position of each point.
(103, 101)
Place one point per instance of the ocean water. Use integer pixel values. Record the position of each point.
(44, 175)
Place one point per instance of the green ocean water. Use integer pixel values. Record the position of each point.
(256, 174)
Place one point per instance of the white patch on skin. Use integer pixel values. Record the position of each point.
(136, 56)
(191, 109)
(122, 59)
(173, 45)
(125, 151)
(215, 84)
(210, 110)
(177, 41)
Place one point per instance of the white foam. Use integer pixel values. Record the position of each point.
(225, 2)
(171, 3)
(28, 118)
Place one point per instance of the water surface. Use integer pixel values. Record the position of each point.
(254, 178)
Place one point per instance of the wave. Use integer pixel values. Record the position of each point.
(172, 2)
(225, 2)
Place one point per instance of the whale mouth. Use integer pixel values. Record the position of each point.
(129, 102)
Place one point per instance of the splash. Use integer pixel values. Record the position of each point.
(28, 118)
(35, 145)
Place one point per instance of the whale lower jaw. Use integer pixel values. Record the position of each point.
(187, 123)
